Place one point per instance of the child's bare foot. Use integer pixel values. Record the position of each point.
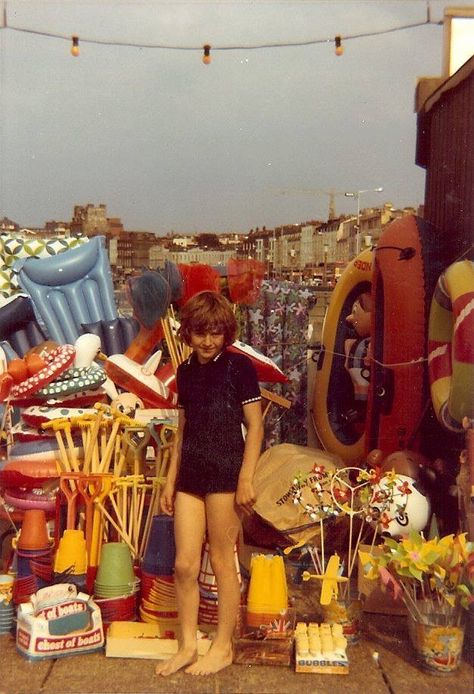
(216, 659)
(185, 656)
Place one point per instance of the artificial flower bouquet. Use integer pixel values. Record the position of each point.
(433, 577)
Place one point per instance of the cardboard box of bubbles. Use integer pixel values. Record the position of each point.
(58, 621)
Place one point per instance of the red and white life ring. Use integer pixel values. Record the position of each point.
(451, 345)
(60, 359)
(36, 416)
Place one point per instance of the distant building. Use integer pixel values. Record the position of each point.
(89, 220)
(205, 257)
(7, 226)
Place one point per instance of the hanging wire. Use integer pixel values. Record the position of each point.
(236, 47)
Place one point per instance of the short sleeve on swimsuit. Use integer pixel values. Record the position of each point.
(248, 388)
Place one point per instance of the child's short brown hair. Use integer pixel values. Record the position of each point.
(208, 312)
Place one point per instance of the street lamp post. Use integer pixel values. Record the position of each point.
(357, 195)
(325, 266)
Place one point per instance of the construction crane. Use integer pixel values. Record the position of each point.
(331, 193)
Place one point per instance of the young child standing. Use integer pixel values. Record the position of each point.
(209, 482)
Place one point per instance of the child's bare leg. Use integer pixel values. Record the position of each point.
(222, 527)
(190, 524)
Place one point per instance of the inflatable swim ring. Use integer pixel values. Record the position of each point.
(47, 448)
(333, 399)
(28, 473)
(451, 345)
(73, 381)
(60, 359)
(36, 416)
(33, 498)
(85, 398)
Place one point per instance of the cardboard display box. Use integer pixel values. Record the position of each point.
(141, 640)
(58, 621)
(268, 644)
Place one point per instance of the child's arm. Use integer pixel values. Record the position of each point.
(245, 494)
(167, 495)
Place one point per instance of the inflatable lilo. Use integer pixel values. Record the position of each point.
(70, 289)
(451, 346)
(334, 411)
(115, 335)
(18, 325)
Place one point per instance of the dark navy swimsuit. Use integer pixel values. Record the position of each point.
(212, 396)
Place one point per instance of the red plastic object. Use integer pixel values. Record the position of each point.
(166, 374)
(198, 278)
(28, 473)
(244, 279)
(129, 375)
(142, 345)
(267, 370)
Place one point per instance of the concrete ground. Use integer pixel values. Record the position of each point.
(395, 673)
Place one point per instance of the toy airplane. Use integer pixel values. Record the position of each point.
(330, 579)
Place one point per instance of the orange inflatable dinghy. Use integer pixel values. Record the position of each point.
(408, 260)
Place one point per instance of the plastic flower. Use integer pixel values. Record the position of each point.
(414, 555)
(404, 488)
(374, 475)
(435, 571)
(391, 476)
(341, 495)
(385, 520)
(370, 564)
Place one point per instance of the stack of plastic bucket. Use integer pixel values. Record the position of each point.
(208, 595)
(116, 585)
(158, 603)
(267, 597)
(160, 551)
(7, 609)
(70, 561)
(33, 556)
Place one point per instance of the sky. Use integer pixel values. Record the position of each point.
(256, 138)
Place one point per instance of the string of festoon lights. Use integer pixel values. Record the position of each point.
(205, 49)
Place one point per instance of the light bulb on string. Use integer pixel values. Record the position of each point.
(339, 50)
(206, 58)
(75, 50)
